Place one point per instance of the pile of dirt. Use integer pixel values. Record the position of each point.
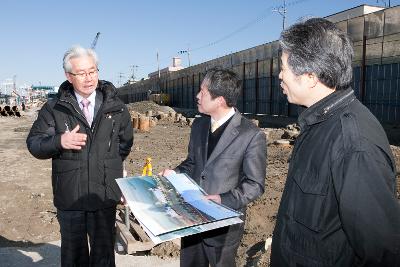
(144, 106)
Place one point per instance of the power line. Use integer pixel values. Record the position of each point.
(263, 15)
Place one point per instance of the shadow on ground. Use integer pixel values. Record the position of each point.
(24, 254)
(254, 254)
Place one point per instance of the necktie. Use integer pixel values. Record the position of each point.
(214, 126)
(85, 103)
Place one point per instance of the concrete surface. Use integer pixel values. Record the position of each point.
(48, 254)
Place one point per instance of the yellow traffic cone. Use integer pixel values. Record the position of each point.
(147, 169)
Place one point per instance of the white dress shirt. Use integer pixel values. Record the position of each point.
(91, 98)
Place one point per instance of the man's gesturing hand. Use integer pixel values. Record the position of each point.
(73, 139)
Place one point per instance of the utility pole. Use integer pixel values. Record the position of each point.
(384, 2)
(120, 76)
(186, 52)
(133, 67)
(158, 65)
(282, 10)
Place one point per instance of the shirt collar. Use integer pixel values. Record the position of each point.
(225, 118)
(91, 98)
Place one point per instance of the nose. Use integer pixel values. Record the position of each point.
(88, 77)
(280, 75)
(198, 96)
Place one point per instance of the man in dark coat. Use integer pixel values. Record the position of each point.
(339, 206)
(227, 158)
(86, 131)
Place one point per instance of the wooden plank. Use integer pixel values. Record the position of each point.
(129, 242)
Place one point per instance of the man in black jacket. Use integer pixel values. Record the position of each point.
(86, 131)
(339, 206)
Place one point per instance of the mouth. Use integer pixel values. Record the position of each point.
(283, 88)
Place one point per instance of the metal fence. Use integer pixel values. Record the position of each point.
(376, 69)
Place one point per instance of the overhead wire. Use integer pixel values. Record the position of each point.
(259, 18)
(263, 15)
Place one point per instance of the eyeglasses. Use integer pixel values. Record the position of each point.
(83, 75)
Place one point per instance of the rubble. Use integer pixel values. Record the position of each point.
(291, 132)
(147, 114)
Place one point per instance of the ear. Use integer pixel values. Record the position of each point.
(312, 79)
(69, 77)
(221, 101)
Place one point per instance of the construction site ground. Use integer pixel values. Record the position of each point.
(28, 217)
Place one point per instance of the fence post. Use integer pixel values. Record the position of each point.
(271, 82)
(243, 86)
(187, 92)
(193, 95)
(182, 90)
(257, 89)
(363, 69)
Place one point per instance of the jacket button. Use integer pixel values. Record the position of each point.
(203, 177)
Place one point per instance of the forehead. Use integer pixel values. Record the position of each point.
(82, 63)
(204, 86)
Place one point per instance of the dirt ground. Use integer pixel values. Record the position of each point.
(28, 217)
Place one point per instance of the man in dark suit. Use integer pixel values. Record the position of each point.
(227, 158)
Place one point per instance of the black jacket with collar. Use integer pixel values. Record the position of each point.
(339, 206)
(84, 179)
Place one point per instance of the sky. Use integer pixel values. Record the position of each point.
(34, 34)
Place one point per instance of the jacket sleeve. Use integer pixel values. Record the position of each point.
(252, 183)
(187, 166)
(364, 185)
(42, 141)
(125, 134)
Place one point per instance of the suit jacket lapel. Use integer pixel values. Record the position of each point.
(230, 133)
(204, 129)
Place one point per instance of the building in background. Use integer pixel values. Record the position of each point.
(176, 65)
(42, 91)
(353, 12)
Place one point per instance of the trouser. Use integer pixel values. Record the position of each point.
(77, 226)
(195, 253)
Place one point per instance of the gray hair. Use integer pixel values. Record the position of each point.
(318, 46)
(75, 52)
(222, 82)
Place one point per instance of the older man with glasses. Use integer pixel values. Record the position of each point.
(86, 131)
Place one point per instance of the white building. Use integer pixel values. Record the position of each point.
(353, 12)
(176, 65)
(6, 87)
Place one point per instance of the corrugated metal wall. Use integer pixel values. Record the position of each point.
(376, 66)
